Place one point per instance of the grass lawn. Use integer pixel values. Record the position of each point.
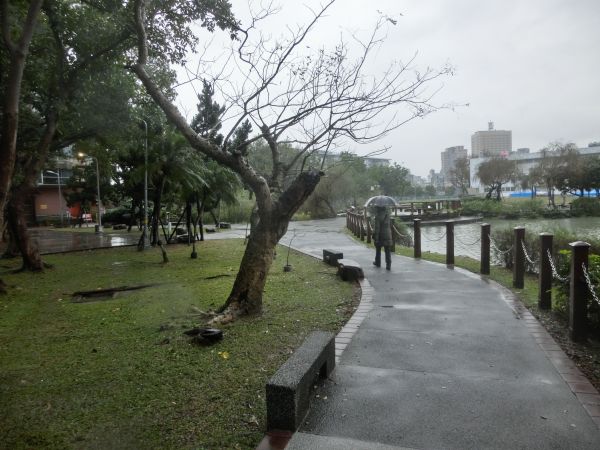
(119, 373)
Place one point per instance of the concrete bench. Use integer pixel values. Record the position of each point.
(349, 270)
(288, 392)
(331, 257)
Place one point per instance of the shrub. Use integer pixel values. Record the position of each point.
(236, 213)
(503, 239)
(586, 206)
(509, 209)
(560, 290)
(116, 215)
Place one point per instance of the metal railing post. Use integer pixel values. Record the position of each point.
(545, 270)
(417, 237)
(578, 293)
(519, 258)
(449, 242)
(485, 249)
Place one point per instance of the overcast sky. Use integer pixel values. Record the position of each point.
(530, 66)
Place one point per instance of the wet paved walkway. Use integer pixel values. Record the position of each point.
(439, 358)
(65, 240)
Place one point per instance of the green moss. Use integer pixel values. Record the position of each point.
(119, 373)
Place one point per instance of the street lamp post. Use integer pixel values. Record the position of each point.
(60, 202)
(99, 230)
(99, 199)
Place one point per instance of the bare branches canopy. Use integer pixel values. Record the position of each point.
(290, 94)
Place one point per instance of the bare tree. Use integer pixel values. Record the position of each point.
(557, 164)
(496, 172)
(313, 102)
(460, 175)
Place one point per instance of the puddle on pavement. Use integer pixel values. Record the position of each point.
(116, 241)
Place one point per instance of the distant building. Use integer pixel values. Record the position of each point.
(416, 180)
(525, 162)
(436, 179)
(372, 162)
(491, 142)
(449, 157)
(48, 201)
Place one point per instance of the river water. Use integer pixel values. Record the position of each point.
(466, 236)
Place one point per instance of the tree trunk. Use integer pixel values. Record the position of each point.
(17, 55)
(12, 249)
(165, 257)
(18, 227)
(212, 212)
(133, 217)
(215, 220)
(200, 209)
(19, 193)
(188, 220)
(156, 212)
(246, 295)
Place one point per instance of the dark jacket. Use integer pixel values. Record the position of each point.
(382, 231)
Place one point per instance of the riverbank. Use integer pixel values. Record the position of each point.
(518, 208)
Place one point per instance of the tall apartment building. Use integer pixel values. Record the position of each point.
(449, 157)
(491, 142)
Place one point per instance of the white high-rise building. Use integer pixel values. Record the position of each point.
(491, 142)
(449, 157)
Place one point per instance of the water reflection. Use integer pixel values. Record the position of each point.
(116, 241)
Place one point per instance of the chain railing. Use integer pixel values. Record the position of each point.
(590, 286)
(579, 281)
(495, 247)
(527, 257)
(533, 265)
(555, 273)
(457, 239)
(434, 240)
(405, 240)
(409, 236)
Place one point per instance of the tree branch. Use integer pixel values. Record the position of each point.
(236, 162)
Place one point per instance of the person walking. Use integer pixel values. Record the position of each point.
(382, 235)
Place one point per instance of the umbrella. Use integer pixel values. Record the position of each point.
(381, 200)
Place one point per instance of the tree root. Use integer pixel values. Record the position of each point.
(200, 313)
(223, 318)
